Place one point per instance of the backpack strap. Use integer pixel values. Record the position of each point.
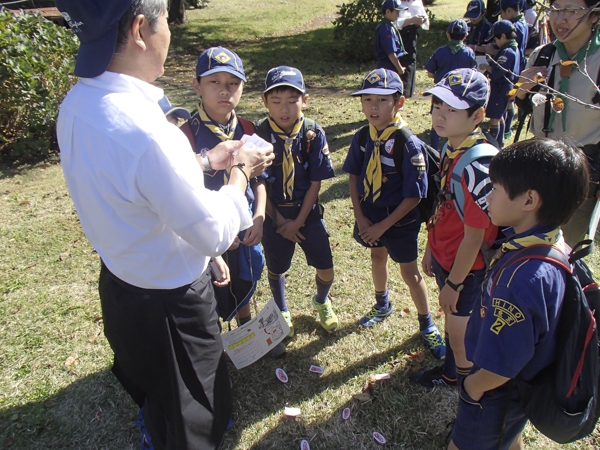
(263, 129)
(402, 137)
(247, 126)
(308, 125)
(363, 135)
(474, 153)
(187, 130)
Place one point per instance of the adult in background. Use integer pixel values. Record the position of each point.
(577, 39)
(139, 193)
(409, 22)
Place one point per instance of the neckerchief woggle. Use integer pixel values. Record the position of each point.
(372, 181)
(288, 157)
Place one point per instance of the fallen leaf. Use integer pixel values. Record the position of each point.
(25, 202)
(405, 312)
(418, 357)
(9, 441)
(440, 313)
(362, 397)
(314, 332)
(70, 361)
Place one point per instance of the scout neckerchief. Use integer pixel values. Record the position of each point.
(564, 81)
(223, 133)
(510, 43)
(520, 18)
(477, 34)
(395, 27)
(455, 46)
(553, 238)
(372, 181)
(288, 157)
(447, 161)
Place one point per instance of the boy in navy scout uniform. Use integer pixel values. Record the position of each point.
(537, 187)
(455, 55)
(385, 199)
(501, 80)
(294, 215)
(512, 10)
(220, 82)
(453, 254)
(479, 27)
(388, 44)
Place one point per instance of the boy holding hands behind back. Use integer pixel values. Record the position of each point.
(538, 184)
(384, 199)
(453, 253)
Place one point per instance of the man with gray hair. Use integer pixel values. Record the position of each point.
(139, 193)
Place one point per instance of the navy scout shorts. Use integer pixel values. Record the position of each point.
(279, 250)
(469, 294)
(496, 106)
(401, 240)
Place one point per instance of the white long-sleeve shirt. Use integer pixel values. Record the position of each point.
(137, 187)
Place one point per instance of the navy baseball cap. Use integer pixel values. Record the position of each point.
(168, 109)
(219, 59)
(475, 9)
(462, 88)
(284, 76)
(458, 26)
(393, 5)
(380, 82)
(502, 27)
(96, 24)
(504, 4)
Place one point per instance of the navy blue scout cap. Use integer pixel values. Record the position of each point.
(475, 9)
(284, 76)
(393, 5)
(504, 4)
(219, 59)
(96, 24)
(462, 88)
(380, 82)
(502, 27)
(168, 109)
(458, 26)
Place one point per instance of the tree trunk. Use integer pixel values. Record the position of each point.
(177, 12)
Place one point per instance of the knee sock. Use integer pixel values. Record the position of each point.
(501, 133)
(425, 321)
(277, 285)
(449, 363)
(510, 114)
(461, 373)
(322, 289)
(435, 139)
(382, 299)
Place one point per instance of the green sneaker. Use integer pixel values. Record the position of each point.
(288, 319)
(329, 320)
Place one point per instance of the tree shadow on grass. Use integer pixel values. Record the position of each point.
(94, 412)
(401, 410)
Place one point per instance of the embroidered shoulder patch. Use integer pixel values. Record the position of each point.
(502, 59)
(389, 146)
(506, 314)
(418, 160)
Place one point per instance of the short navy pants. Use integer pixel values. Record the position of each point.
(470, 292)
(279, 250)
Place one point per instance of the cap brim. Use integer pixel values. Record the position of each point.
(497, 13)
(376, 91)
(179, 112)
(284, 84)
(223, 69)
(471, 15)
(402, 8)
(94, 58)
(448, 97)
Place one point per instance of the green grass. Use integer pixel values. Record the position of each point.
(56, 389)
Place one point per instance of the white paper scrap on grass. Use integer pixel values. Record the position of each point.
(316, 369)
(250, 342)
(281, 375)
(382, 376)
(304, 445)
(379, 438)
(292, 412)
(346, 413)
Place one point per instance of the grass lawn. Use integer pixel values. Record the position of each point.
(56, 388)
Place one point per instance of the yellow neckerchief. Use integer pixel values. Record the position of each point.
(217, 130)
(553, 238)
(452, 154)
(215, 127)
(372, 181)
(288, 158)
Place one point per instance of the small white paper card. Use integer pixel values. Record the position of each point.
(253, 340)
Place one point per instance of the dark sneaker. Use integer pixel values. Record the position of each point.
(435, 342)
(278, 350)
(376, 315)
(432, 378)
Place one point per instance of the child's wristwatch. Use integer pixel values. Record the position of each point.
(204, 160)
(455, 287)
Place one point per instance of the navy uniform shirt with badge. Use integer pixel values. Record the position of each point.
(387, 41)
(206, 140)
(317, 168)
(479, 34)
(502, 81)
(522, 30)
(396, 185)
(443, 61)
(512, 329)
